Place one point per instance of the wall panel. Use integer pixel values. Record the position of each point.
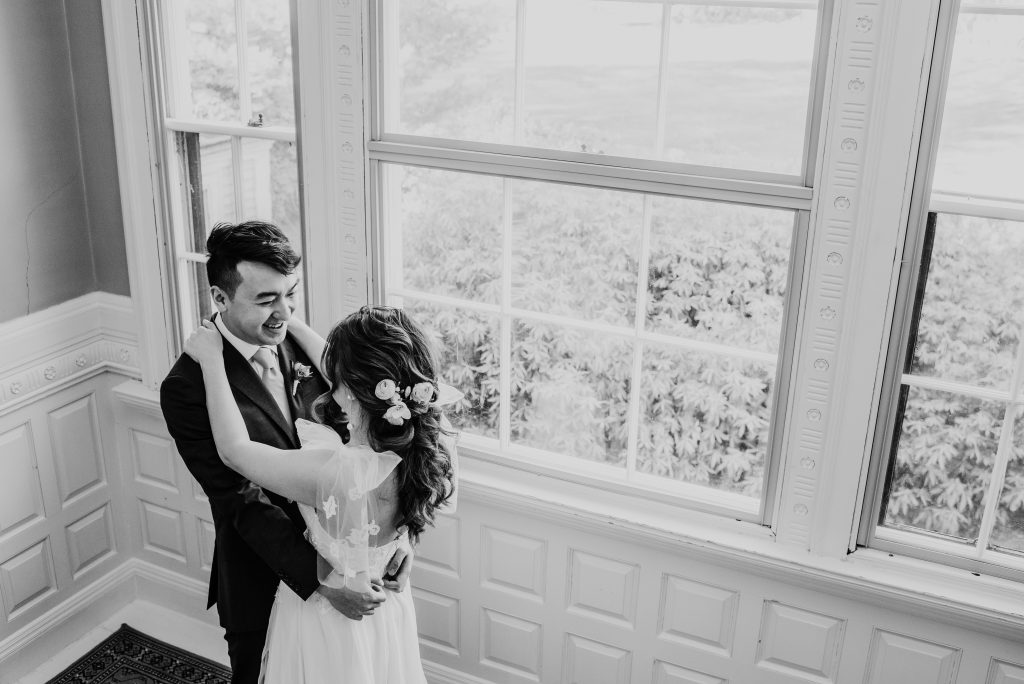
(21, 495)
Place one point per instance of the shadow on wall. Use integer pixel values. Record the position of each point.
(63, 236)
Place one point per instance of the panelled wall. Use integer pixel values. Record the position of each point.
(61, 510)
(96, 510)
(506, 594)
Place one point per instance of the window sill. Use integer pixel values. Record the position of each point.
(984, 603)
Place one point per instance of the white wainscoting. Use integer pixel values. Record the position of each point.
(97, 511)
(506, 594)
(61, 513)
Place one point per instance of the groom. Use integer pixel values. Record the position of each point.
(259, 535)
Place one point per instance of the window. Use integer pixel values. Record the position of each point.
(227, 106)
(953, 427)
(601, 207)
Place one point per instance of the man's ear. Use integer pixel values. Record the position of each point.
(220, 298)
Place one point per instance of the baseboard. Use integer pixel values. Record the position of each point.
(180, 593)
(442, 674)
(36, 642)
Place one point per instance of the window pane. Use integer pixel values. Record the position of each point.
(570, 391)
(718, 272)
(591, 76)
(693, 85)
(446, 230)
(449, 68)
(213, 59)
(705, 419)
(269, 61)
(576, 251)
(469, 343)
(270, 185)
(739, 82)
(198, 292)
(947, 445)
(209, 182)
(1008, 533)
(970, 317)
(981, 149)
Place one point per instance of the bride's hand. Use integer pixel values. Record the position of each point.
(205, 345)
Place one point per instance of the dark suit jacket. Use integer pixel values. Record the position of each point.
(259, 535)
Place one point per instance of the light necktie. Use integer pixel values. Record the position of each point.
(272, 378)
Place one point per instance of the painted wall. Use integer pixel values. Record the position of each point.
(96, 141)
(63, 234)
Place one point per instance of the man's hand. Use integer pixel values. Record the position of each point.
(396, 575)
(351, 603)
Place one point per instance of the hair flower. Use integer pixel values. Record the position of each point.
(397, 414)
(422, 392)
(385, 389)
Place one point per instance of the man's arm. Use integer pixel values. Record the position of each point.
(264, 526)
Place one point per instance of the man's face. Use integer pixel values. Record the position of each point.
(262, 305)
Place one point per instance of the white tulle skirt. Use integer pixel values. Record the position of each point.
(311, 643)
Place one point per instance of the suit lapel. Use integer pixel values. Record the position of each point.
(243, 378)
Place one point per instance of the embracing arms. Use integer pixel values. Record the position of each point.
(291, 473)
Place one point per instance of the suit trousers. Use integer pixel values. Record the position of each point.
(245, 649)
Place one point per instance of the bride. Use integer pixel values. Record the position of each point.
(358, 499)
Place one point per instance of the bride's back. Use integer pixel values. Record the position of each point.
(384, 505)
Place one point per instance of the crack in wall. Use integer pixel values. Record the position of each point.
(28, 240)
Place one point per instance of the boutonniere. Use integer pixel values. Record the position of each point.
(300, 372)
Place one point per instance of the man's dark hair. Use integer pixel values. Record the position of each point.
(256, 241)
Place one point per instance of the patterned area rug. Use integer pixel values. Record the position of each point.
(130, 656)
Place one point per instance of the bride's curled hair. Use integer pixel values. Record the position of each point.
(379, 343)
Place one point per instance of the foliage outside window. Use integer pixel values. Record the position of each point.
(229, 114)
(599, 329)
(955, 481)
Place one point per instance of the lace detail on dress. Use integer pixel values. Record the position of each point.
(343, 528)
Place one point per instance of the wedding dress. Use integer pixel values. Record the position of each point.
(309, 642)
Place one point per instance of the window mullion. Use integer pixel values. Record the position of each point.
(633, 414)
(520, 72)
(505, 321)
(1003, 454)
(995, 483)
(242, 48)
(660, 114)
(236, 176)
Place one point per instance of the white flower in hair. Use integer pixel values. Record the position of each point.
(385, 389)
(330, 507)
(422, 392)
(397, 414)
(373, 528)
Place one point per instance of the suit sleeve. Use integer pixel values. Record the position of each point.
(264, 526)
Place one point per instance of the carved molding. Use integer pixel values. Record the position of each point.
(93, 334)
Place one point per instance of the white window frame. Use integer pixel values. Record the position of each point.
(976, 558)
(832, 408)
(516, 161)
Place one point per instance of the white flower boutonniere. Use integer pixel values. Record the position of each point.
(300, 372)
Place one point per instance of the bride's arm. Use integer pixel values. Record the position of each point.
(291, 473)
(309, 340)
